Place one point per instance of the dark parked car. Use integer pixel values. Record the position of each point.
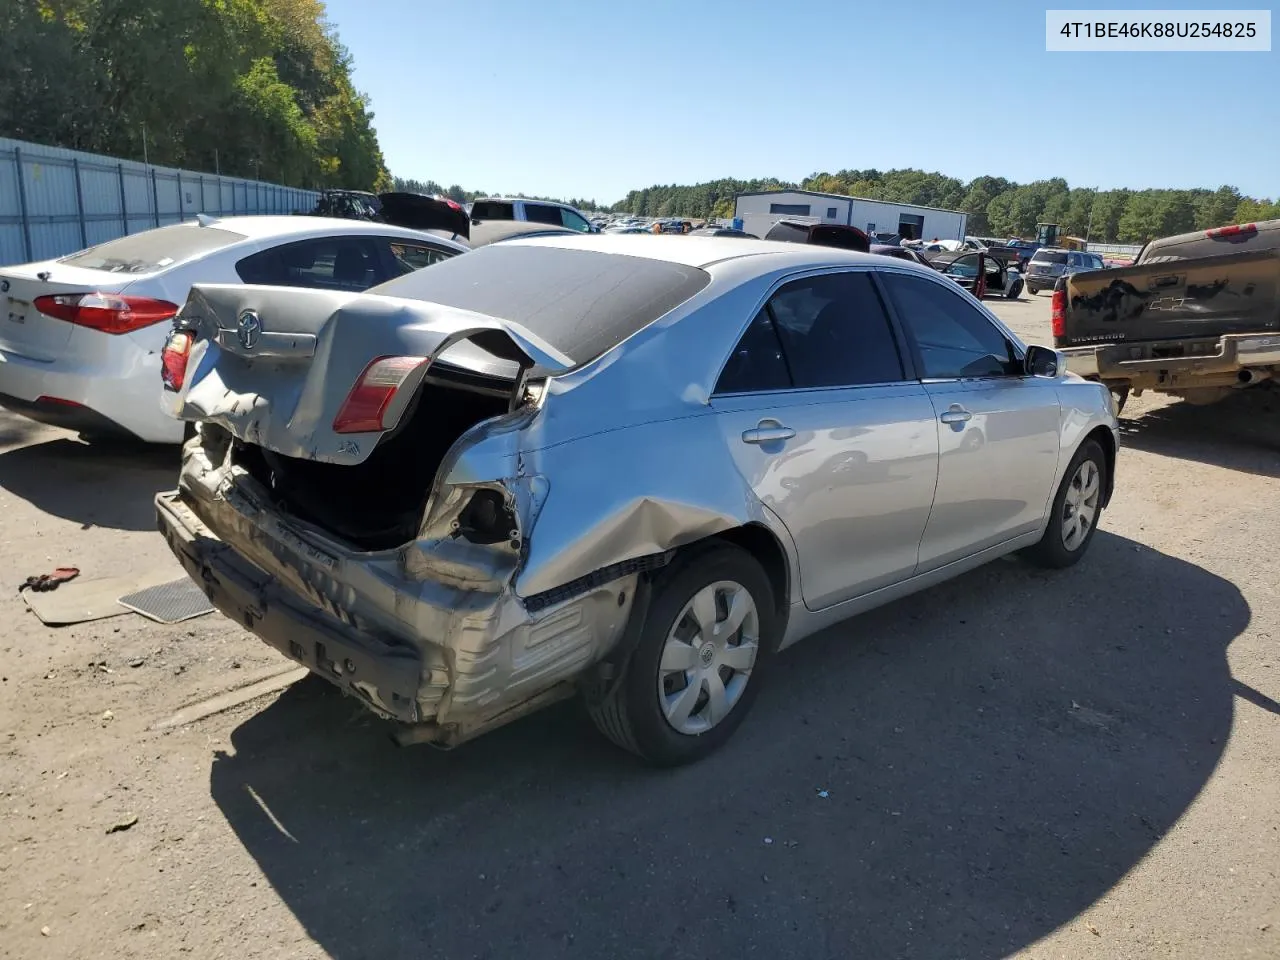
(413, 211)
(823, 234)
(722, 232)
(1049, 263)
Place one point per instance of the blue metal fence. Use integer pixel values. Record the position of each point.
(55, 201)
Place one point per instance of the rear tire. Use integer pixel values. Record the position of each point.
(662, 706)
(1015, 291)
(1076, 510)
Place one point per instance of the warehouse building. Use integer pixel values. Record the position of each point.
(760, 211)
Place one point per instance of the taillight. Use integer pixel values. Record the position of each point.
(367, 403)
(173, 359)
(1232, 231)
(106, 312)
(1059, 315)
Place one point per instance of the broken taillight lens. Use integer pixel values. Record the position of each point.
(1059, 315)
(173, 359)
(106, 312)
(367, 403)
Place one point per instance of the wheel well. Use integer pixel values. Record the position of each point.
(759, 541)
(1107, 441)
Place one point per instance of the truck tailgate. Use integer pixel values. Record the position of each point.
(1173, 299)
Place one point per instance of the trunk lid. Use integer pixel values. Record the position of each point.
(274, 365)
(26, 331)
(1208, 297)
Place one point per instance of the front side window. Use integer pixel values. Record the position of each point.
(834, 332)
(955, 340)
(574, 221)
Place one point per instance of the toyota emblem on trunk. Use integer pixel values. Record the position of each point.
(248, 329)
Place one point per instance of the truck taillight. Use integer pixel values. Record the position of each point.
(1059, 315)
(173, 359)
(1231, 231)
(376, 387)
(106, 312)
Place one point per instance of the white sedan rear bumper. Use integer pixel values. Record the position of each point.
(119, 391)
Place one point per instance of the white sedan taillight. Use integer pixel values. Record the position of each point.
(106, 312)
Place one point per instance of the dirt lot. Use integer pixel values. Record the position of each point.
(1076, 765)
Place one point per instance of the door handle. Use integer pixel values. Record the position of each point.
(957, 414)
(767, 431)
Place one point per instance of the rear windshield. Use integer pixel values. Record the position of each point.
(153, 250)
(1265, 236)
(1045, 256)
(580, 301)
(489, 210)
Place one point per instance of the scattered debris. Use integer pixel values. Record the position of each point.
(124, 824)
(108, 715)
(823, 794)
(137, 662)
(768, 840)
(44, 582)
(1094, 930)
(44, 931)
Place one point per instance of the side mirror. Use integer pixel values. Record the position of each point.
(1041, 362)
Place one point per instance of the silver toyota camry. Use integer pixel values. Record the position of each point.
(627, 468)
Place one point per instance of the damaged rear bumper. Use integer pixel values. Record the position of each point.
(386, 676)
(428, 634)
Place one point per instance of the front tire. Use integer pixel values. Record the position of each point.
(709, 634)
(1032, 290)
(1076, 510)
(1015, 291)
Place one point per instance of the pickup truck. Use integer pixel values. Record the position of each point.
(1196, 316)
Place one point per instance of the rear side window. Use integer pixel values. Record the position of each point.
(757, 363)
(325, 263)
(492, 210)
(834, 332)
(540, 213)
(154, 250)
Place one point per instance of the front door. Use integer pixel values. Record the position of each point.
(816, 411)
(998, 430)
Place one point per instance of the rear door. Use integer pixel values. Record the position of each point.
(997, 428)
(826, 424)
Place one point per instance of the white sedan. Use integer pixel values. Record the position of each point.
(81, 337)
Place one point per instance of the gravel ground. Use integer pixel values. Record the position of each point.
(1072, 765)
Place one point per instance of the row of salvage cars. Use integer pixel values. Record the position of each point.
(626, 468)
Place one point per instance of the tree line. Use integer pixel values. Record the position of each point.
(996, 206)
(251, 88)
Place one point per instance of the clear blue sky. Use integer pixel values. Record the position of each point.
(596, 97)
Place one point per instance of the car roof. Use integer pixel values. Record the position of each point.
(702, 252)
(283, 226)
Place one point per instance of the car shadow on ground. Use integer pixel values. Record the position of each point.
(100, 484)
(957, 774)
(1241, 432)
